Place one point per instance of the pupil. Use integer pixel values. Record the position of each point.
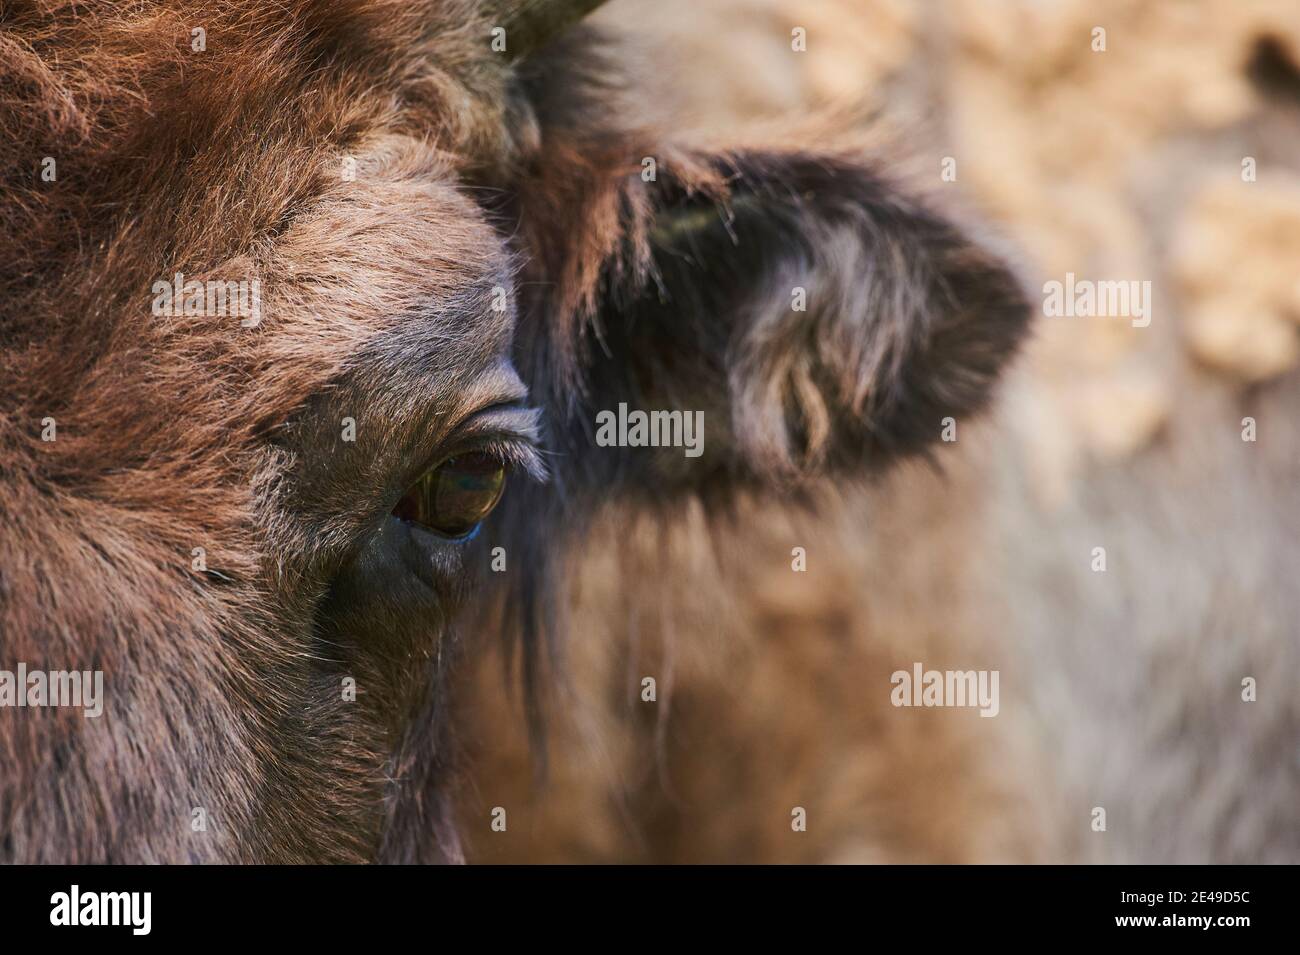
(465, 488)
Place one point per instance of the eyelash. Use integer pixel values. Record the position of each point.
(513, 448)
(513, 452)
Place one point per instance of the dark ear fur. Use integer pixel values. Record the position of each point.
(905, 320)
(680, 294)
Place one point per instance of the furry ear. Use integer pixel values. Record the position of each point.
(819, 318)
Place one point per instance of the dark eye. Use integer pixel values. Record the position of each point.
(452, 498)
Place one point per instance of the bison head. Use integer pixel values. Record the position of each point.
(292, 292)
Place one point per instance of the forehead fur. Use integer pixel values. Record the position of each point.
(227, 163)
(224, 164)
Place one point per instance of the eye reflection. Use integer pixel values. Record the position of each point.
(454, 497)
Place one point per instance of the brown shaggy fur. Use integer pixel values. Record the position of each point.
(473, 174)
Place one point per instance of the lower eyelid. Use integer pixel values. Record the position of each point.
(435, 537)
(436, 560)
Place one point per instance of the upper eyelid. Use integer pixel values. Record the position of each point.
(509, 431)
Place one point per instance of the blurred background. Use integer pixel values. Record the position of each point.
(1171, 156)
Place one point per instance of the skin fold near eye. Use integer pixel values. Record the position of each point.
(454, 497)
